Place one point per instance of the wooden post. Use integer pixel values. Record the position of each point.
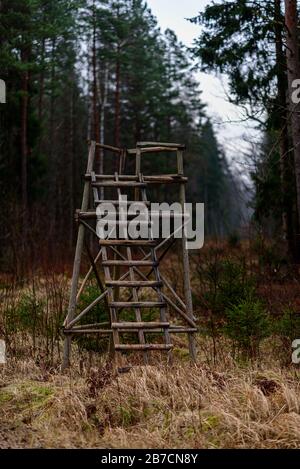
(137, 170)
(77, 260)
(185, 260)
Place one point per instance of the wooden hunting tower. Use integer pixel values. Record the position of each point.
(127, 270)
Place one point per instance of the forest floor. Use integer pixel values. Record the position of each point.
(183, 406)
(244, 391)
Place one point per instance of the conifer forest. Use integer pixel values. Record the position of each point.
(144, 343)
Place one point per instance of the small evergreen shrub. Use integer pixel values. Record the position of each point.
(233, 240)
(247, 324)
(287, 328)
(288, 325)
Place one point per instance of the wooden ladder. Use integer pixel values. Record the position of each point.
(123, 248)
(129, 265)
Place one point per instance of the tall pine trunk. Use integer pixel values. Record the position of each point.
(117, 98)
(95, 88)
(71, 165)
(52, 160)
(25, 53)
(286, 170)
(293, 67)
(102, 98)
(41, 82)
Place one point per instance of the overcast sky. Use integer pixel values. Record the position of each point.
(172, 14)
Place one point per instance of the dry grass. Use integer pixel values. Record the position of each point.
(220, 403)
(150, 407)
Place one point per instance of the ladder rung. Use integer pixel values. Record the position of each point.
(118, 202)
(127, 242)
(158, 330)
(139, 325)
(125, 222)
(160, 144)
(133, 177)
(130, 263)
(154, 214)
(137, 304)
(165, 179)
(143, 346)
(110, 177)
(133, 283)
(119, 184)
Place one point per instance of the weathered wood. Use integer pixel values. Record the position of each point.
(89, 227)
(134, 177)
(160, 144)
(96, 273)
(118, 202)
(139, 325)
(143, 347)
(149, 330)
(94, 324)
(170, 330)
(186, 266)
(169, 286)
(151, 150)
(162, 310)
(88, 331)
(189, 320)
(128, 263)
(77, 259)
(118, 184)
(125, 223)
(86, 310)
(113, 313)
(95, 189)
(92, 214)
(165, 179)
(83, 283)
(109, 147)
(127, 242)
(134, 283)
(89, 215)
(137, 304)
(138, 162)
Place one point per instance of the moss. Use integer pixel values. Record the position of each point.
(128, 415)
(147, 410)
(182, 354)
(210, 422)
(4, 396)
(27, 395)
(189, 432)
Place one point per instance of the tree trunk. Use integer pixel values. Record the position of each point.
(42, 82)
(117, 99)
(52, 161)
(286, 165)
(293, 67)
(95, 89)
(102, 98)
(71, 167)
(25, 53)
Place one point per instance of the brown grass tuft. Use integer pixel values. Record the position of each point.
(151, 407)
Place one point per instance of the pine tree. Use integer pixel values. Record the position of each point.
(245, 40)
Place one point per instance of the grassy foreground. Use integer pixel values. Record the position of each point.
(243, 393)
(150, 407)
